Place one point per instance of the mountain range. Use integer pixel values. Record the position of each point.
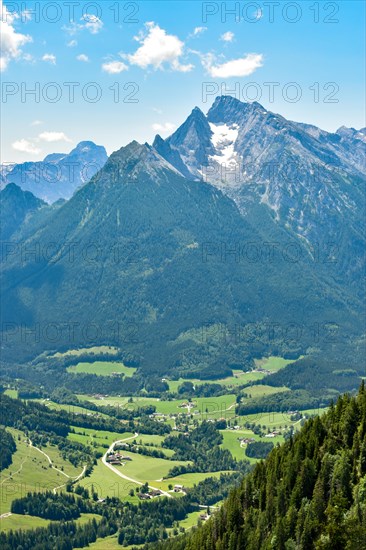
(59, 174)
(312, 181)
(189, 271)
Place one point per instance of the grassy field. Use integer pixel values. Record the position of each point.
(102, 368)
(239, 378)
(146, 468)
(206, 407)
(18, 521)
(272, 420)
(98, 439)
(273, 364)
(30, 471)
(108, 484)
(71, 409)
(142, 468)
(11, 393)
(233, 445)
(261, 390)
(109, 543)
(108, 350)
(60, 463)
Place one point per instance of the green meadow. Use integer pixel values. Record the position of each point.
(108, 543)
(102, 368)
(239, 377)
(11, 393)
(262, 390)
(31, 471)
(274, 364)
(233, 445)
(98, 439)
(72, 409)
(206, 407)
(18, 521)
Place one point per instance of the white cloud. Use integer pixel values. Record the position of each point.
(199, 30)
(158, 47)
(114, 67)
(25, 146)
(82, 57)
(28, 57)
(49, 58)
(90, 22)
(227, 36)
(11, 40)
(26, 15)
(72, 44)
(51, 137)
(243, 66)
(182, 68)
(36, 123)
(156, 110)
(163, 128)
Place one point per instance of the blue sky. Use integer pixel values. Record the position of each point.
(151, 62)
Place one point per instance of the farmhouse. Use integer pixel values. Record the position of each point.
(155, 493)
(144, 496)
(246, 439)
(113, 460)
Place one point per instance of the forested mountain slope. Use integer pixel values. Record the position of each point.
(310, 493)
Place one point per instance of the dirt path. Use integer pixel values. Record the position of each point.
(74, 480)
(49, 460)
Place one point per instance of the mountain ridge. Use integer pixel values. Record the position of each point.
(59, 174)
(161, 260)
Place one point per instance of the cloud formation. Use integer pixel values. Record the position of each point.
(89, 22)
(227, 36)
(49, 58)
(82, 57)
(157, 49)
(25, 146)
(244, 66)
(114, 67)
(199, 30)
(51, 137)
(92, 23)
(11, 40)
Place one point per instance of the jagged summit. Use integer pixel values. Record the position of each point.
(230, 109)
(135, 159)
(299, 172)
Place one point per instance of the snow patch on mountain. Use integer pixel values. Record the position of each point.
(223, 139)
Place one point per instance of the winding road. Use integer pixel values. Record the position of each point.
(120, 474)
